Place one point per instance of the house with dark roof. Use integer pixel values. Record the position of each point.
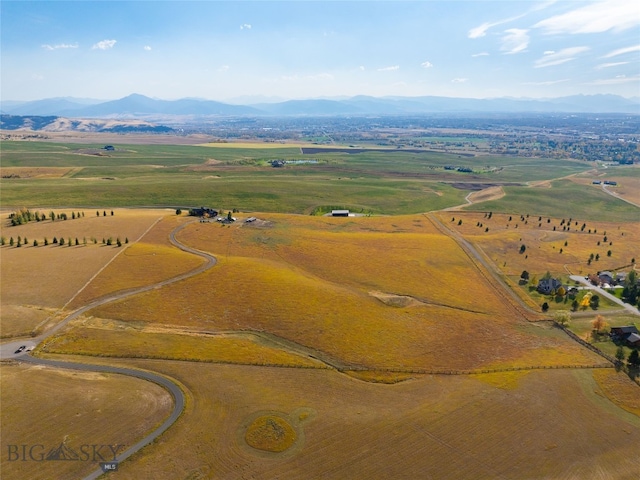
(627, 334)
(548, 285)
(605, 277)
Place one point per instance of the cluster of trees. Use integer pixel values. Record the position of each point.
(631, 291)
(24, 215)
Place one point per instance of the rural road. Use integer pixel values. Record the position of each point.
(7, 350)
(604, 293)
(615, 195)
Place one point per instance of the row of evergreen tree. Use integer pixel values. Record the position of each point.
(25, 215)
(55, 241)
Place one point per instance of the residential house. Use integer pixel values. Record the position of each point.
(605, 277)
(547, 286)
(627, 334)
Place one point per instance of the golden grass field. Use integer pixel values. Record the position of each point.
(119, 339)
(36, 279)
(369, 294)
(316, 282)
(503, 241)
(549, 424)
(148, 261)
(47, 406)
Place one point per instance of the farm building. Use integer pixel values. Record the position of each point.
(596, 182)
(203, 212)
(339, 213)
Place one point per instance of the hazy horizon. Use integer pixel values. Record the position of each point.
(294, 50)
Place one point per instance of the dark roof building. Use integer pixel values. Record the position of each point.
(339, 213)
(548, 285)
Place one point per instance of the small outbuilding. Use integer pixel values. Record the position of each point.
(339, 213)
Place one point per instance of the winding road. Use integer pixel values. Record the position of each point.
(8, 350)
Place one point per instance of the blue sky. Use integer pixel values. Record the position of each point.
(302, 49)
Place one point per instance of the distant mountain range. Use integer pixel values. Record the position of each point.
(136, 105)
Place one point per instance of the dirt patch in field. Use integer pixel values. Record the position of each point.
(541, 184)
(399, 301)
(490, 193)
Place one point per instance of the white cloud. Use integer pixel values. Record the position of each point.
(595, 17)
(224, 68)
(549, 52)
(361, 68)
(609, 65)
(59, 46)
(516, 40)
(389, 69)
(459, 80)
(481, 54)
(245, 26)
(557, 58)
(147, 48)
(481, 30)
(544, 84)
(616, 80)
(104, 45)
(426, 64)
(621, 51)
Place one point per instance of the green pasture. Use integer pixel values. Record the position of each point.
(390, 182)
(563, 199)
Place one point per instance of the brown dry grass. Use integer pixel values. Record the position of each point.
(307, 280)
(46, 406)
(49, 276)
(445, 427)
(503, 240)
